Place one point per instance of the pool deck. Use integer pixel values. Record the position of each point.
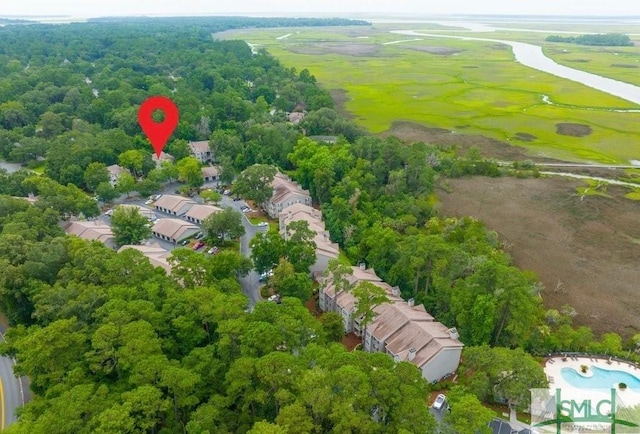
(553, 366)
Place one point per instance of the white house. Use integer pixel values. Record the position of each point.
(174, 205)
(156, 254)
(325, 249)
(94, 230)
(296, 117)
(210, 173)
(400, 329)
(174, 230)
(144, 212)
(408, 333)
(163, 157)
(285, 193)
(343, 302)
(197, 213)
(201, 151)
(114, 173)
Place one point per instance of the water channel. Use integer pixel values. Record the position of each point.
(532, 56)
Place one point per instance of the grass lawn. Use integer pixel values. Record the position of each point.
(258, 219)
(343, 259)
(470, 87)
(39, 169)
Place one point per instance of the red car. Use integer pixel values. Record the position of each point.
(198, 245)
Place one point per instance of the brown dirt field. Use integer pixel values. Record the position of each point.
(525, 137)
(574, 130)
(442, 51)
(490, 148)
(585, 251)
(312, 306)
(351, 341)
(344, 48)
(340, 97)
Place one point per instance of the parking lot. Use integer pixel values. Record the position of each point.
(250, 283)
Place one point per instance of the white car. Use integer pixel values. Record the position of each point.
(261, 224)
(148, 202)
(439, 403)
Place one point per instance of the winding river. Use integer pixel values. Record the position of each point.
(532, 56)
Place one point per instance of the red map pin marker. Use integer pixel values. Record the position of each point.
(158, 132)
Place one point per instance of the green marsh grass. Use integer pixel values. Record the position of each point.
(478, 90)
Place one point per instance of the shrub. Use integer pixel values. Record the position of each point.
(584, 368)
(622, 386)
(264, 291)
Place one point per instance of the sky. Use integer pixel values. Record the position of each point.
(93, 8)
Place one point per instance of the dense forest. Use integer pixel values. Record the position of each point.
(598, 40)
(112, 344)
(219, 24)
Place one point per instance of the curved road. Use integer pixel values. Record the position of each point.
(13, 391)
(251, 282)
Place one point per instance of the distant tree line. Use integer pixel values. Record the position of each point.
(603, 40)
(218, 24)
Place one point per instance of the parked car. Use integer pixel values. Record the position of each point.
(226, 192)
(276, 298)
(184, 243)
(440, 402)
(198, 245)
(199, 235)
(148, 202)
(265, 275)
(158, 196)
(213, 250)
(261, 224)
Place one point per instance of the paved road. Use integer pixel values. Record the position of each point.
(250, 283)
(438, 415)
(576, 165)
(593, 178)
(10, 167)
(13, 391)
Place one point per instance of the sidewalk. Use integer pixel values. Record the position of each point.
(514, 422)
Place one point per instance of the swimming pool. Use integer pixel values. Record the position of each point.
(601, 379)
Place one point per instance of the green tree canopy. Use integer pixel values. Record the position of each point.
(189, 172)
(129, 226)
(222, 226)
(254, 183)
